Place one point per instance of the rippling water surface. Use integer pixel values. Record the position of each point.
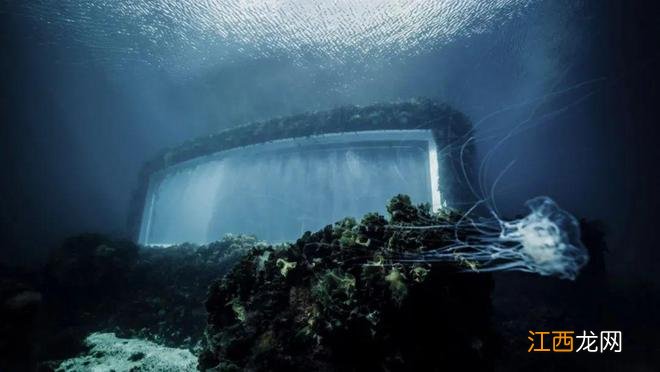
(193, 32)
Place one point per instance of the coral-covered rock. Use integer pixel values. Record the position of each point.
(106, 352)
(344, 299)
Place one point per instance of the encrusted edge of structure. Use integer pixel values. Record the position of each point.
(447, 124)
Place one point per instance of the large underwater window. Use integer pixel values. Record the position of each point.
(278, 190)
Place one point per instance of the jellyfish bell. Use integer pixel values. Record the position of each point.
(548, 239)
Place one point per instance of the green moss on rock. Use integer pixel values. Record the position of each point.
(347, 302)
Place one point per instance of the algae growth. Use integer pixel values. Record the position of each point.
(341, 298)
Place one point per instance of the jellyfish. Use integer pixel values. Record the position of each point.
(546, 241)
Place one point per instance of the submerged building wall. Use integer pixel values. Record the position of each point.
(279, 178)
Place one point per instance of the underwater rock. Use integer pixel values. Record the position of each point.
(340, 299)
(81, 282)
(87, 266)
(109, 353)
(93, 283)
(166, 303)
(20, 303)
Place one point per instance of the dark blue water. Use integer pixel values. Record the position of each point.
(563, 95)
(94, 89)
